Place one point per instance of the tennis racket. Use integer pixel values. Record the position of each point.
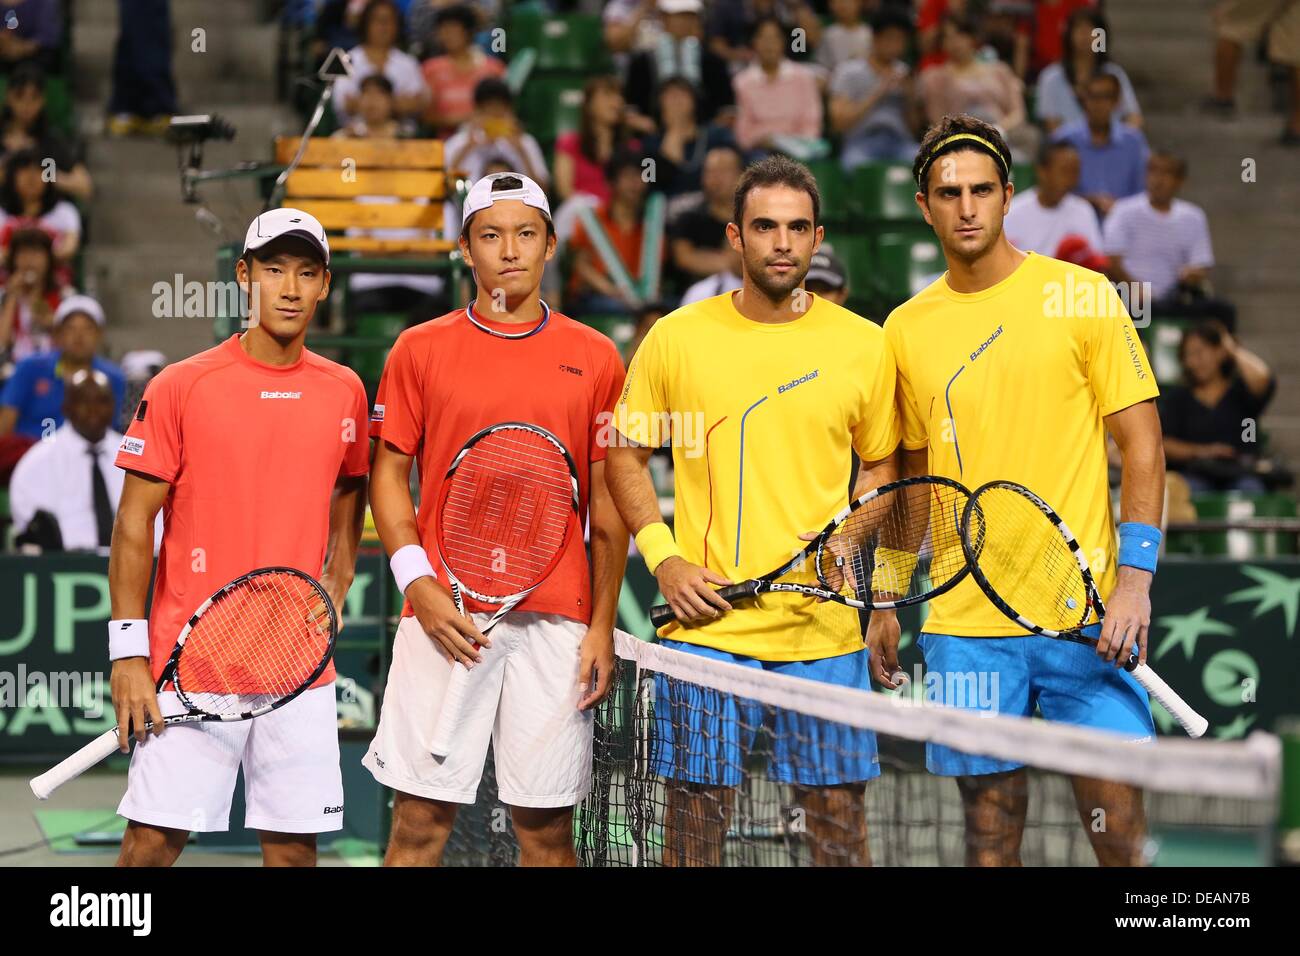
(252, 647)
(897, 545)
(506, 509)
(1028, 563)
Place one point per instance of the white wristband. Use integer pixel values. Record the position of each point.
(128, 638)
(408, 563)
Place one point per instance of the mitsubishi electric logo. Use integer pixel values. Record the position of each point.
(282, 394)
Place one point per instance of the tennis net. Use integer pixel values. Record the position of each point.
(703, 762)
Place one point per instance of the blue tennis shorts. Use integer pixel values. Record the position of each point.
(1063, 681)
(704, 736)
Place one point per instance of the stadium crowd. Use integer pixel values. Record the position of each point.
(640, 140)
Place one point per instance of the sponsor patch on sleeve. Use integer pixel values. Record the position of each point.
(132, 446)
(377, 413)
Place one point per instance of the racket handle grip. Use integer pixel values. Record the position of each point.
(662, 614)
(444, 735)
(74, 766)
(1179, 709)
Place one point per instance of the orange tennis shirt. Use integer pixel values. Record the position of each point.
(252, 453)
(446, 379)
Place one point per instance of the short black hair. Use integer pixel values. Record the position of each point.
(621, 160)
(1110, 79)
(766, 21)
(28, 73)
(727, 147)
(22, 159)
(1178, 159)
(1048, 150)
(776, 170)
(961, 124)
(266, 253)
(502, 184)
(891, 19)
(378, 79)
(458, 13)
(363, 21)
(32, 238)
(492, 89)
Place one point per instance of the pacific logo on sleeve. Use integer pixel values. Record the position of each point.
(132, 446)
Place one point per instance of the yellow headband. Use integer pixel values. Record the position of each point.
(934, 150)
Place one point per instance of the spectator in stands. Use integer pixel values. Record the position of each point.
(495, 131)
(1048, 213)
(381, 51)
(630, 26)
(139, 366)
(144, 93)
(70, 476)
(32, 295)
(930, 17)
(1050, 36)
(453, 74)
(375, 117)
(25, 125)
(987, 90)
(1210, 422)
(727, 280)
(679, 50)
(422, 21)
(592, 289)
(732, 24)
(1112, 155)
(827, 277)
(697, 228)
(582, 155)
(335, 26)
(31, 403)
(776, 98)
(846, 40)
(1061, 85)
(872, 104)
(682, 142)
(29, 200)
(1239, 24)
(1160, 239)
(33, 31)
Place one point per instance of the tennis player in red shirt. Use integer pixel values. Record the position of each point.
(506, 357)
(256, 452)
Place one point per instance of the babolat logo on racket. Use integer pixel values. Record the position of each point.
(75, 908)
(282, 394)
(798, 381)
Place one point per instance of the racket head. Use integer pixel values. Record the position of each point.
(1027, 561)
(897, 545)
(506, 508)
(256, 644)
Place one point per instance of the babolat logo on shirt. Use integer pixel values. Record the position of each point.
(798, 381)
(75, 908)
(282, 394)
(132, 446)
(377, 413)
(333, 809)
(987, 342)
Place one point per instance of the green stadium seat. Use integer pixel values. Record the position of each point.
(858, 256)
(571, 44)
(1235, 505)
(368, 360)
(1162, 338)
(1023, 175)
(834, 189)
(906, 261)
(551, 105)
(618, 327)
(884, 192)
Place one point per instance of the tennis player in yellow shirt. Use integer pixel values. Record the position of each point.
(765, 392)
(1014, 366)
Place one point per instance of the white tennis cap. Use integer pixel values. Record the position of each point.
(481, 195)
(286, 221)
(80, 303)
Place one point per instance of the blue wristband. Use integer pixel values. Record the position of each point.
(1139, 545)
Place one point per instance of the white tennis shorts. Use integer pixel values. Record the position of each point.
(523, 697)
(185, 778)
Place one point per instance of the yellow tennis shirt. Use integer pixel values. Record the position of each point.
(1013, 383)
(762, 419)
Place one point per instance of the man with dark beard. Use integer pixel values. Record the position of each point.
(764, 392)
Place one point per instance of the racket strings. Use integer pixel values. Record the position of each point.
(1027, 561)
(900, 544)
(256, 643)
(506, 512)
